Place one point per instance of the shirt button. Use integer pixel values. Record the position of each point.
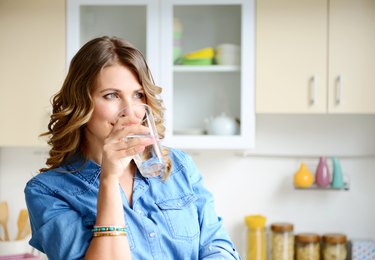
(139, 212)
(152, 234)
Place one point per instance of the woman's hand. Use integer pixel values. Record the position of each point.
(118, 150)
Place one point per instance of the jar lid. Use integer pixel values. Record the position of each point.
(334, 238)
(255, 221)
(281, 227)
(307, 238)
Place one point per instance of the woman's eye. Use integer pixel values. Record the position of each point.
(111, 96)
(139, 95)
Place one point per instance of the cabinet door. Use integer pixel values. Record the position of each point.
(291, 62)
(32, 51)
(351, 56)
(195, 94)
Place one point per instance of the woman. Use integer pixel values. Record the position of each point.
(91, 201)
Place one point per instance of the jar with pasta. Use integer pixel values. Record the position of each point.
(256, 237)
(334, 247)
(282, 241)
(307, 246)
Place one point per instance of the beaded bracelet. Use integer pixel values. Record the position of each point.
(108, 228)
(113, 233)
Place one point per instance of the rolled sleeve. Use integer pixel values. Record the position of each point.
(217, 251)
(57, 229)
(214, 240)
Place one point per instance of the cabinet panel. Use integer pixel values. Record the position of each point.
(291, 46)
(212, 93)
(134, 20)
(32, 65)
(113, 20)
(352, 56)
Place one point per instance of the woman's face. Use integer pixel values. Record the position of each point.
(116, 88)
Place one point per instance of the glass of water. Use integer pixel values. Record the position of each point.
(150, 162)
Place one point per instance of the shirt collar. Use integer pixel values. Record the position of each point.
(79, 165)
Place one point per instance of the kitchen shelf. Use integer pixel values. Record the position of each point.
(314, 187)
(207, 68)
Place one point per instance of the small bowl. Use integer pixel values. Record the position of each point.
(225, 59)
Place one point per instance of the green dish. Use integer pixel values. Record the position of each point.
(205, 61)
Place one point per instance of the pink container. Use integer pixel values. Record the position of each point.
(322, 175)
(20, 256)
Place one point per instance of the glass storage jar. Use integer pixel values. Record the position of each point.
(282, 241)
(334, 247)
(307, 246)
(256, 237)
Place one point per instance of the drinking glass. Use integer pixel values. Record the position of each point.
(150, 162)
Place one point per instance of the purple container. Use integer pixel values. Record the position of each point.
(322, 175)
(20, 256)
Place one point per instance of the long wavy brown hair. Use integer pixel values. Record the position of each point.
(72, 106)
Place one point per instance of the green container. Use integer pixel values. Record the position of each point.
(205, 61)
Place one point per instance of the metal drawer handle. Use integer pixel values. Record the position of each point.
(312, 90)
(339, 89)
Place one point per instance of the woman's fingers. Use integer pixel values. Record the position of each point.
(129, 133)
(127, 138)
(126, 121)
(128, 147)
(128, 143)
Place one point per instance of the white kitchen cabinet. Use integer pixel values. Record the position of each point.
(192, 94)
(315, 56)
(32, 65)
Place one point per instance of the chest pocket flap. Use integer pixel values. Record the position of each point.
(181, 216)
(176, 204)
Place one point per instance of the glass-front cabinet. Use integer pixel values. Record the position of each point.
(201, 52)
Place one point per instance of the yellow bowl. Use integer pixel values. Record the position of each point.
(201, 54)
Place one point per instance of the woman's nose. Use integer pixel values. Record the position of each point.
(127, 111)
(126, 105)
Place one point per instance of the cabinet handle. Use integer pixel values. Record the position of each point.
(312, 90)
(339, 89)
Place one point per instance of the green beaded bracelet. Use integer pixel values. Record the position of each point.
(108, 228)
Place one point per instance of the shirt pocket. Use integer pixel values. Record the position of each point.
(181, 216)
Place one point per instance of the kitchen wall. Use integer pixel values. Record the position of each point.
(260, 181)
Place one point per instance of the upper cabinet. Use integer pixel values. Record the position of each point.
(351, 56)
(315, 56)
(209, 96)
(32, 65)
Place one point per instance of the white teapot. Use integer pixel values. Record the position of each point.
(221, 125)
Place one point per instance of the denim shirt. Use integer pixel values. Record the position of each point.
(172, 219)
